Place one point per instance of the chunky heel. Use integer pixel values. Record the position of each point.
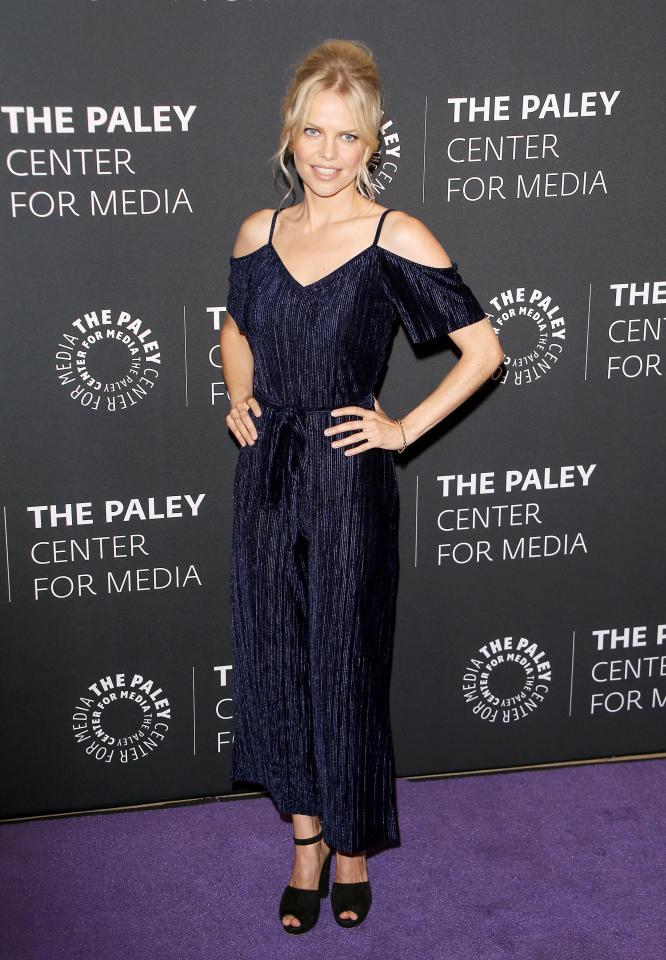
(305, 904)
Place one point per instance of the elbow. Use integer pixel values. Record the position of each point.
(499, 355)
(492, 361)
(498, 360)
(487, 359)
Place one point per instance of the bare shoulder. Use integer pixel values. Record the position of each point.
(409, 237)
(253, 232)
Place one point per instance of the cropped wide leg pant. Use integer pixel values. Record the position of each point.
(314, 568)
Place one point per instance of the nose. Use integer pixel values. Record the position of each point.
(328, 149)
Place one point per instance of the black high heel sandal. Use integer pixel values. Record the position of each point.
(351, 896)
(305, 904)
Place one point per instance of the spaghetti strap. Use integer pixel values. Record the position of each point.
(274, 218)
(380, 225)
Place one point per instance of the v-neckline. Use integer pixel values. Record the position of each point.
(331, 273)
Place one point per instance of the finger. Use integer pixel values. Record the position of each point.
(254, 408)
(243, 427)
(249, 423)
(341, 411)
(240, 433)
(362, 447)
(247, 426)
(231, 423)
(343, 427)
(346, 441)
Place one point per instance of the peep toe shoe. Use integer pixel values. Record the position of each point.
(305, 904)
(351, 896)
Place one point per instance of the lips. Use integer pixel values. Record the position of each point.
(324, 171)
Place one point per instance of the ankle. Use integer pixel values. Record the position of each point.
(305, 826)
(351, 869)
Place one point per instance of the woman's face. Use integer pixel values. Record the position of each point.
(328, 153)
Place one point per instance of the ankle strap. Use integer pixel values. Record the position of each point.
(310, 839)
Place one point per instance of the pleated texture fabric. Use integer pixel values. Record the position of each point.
(314, 554)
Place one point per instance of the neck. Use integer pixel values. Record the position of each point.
(317, 211)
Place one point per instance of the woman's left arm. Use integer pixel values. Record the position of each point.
(481, 350)
(481, 355)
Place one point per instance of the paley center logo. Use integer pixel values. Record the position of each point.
(108, 360)
(532, 328)
(507, 679)
(383, 163)
(120, 721)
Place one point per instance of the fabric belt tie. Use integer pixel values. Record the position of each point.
(285, 447)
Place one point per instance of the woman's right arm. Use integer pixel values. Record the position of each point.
(238, 372)
(235, 354)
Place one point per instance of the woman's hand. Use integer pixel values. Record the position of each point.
(240, 423)
(375, 427)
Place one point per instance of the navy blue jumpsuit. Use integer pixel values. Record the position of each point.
(314, 560)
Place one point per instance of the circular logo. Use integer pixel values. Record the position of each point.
(108, 360)
(121, 721)
(383, 163)
(507, 680)
(533, 331)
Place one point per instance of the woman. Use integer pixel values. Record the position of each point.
(311, 306)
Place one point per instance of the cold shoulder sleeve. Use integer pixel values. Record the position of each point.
(430, 301)
(238, 279)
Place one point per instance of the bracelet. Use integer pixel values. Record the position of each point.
(404, 438)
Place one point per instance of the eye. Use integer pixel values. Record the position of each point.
(314, 130)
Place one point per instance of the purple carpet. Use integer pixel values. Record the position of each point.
(560, 864)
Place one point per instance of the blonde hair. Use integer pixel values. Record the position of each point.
(347, 67)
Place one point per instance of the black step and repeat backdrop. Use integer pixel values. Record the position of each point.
(135, 138)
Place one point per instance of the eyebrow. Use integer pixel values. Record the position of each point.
(350, 130)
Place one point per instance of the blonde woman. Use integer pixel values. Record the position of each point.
(314, 290)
